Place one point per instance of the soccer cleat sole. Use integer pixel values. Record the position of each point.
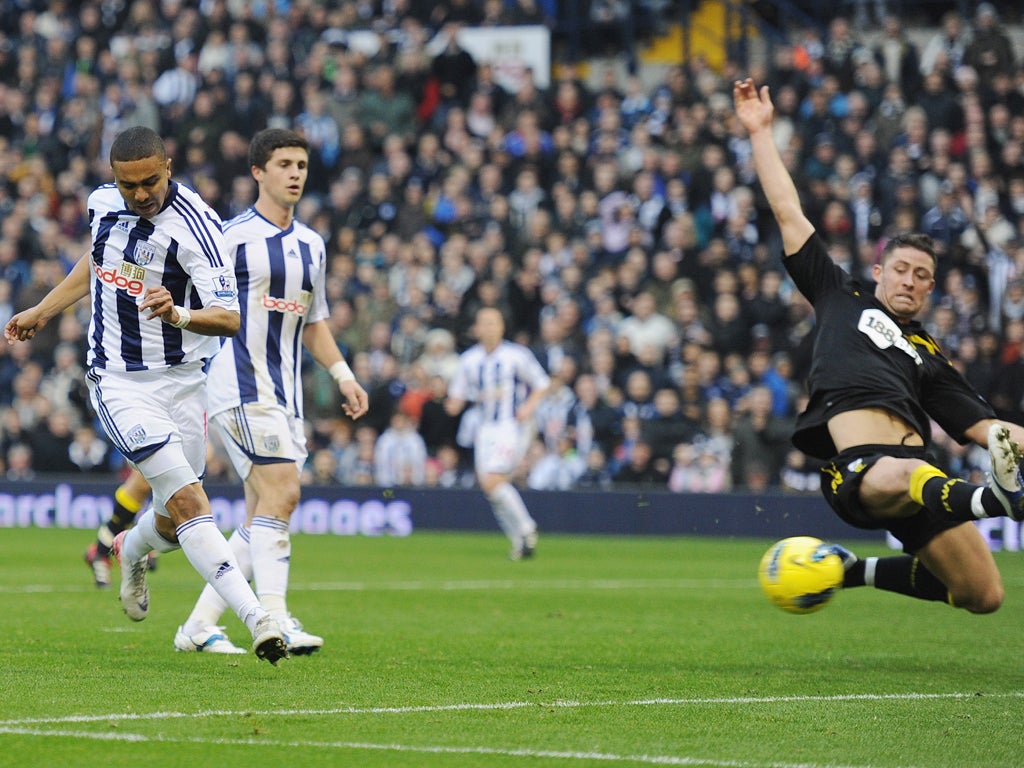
(1009, 452)
(303, 650)
(134, 610)
(272, 649)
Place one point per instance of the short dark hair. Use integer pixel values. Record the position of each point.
(136, 144)
(266, 141)
(915, 240)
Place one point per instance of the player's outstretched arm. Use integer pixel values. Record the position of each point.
(210, 321)
(73, 287)
(978, 433)
(755, 111)
(316, 337)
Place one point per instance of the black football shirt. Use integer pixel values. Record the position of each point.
(865, 358)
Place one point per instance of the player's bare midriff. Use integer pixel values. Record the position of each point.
(871, 426)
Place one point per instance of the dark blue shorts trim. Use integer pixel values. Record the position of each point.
(146, 451)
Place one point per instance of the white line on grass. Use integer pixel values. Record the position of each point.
(36, 589)
(505, 705)
(424, 749)
(30, 726)
(474, 585)
(481, 585)
(491, 584)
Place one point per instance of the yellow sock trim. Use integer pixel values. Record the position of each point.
(919, 477)
(126, 500)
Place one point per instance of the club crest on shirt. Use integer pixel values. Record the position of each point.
(144, 253)
(136, 435)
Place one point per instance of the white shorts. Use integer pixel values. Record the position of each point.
(500, 446)
(157, 419)
(254, 433)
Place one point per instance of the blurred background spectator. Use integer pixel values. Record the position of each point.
(611, 215)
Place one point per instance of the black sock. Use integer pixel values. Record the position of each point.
(949, 496)
(955, 498)
(119, 520)
(854, 576)
(906, 575)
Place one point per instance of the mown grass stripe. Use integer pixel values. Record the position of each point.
(509, 705)
(427, 749)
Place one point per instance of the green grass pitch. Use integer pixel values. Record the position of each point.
(439, 652)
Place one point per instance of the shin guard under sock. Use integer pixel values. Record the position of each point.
(907, 575)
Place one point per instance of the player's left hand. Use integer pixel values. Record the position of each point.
(159, 302)
(357, 403)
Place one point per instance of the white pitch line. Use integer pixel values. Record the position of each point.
(45, 589)
(563, 584)
(426, 749)
(30, 726)
(506, 705)
(474, 585)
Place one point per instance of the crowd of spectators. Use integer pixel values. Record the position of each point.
(617, 224)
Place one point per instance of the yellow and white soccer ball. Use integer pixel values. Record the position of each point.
(800, 574)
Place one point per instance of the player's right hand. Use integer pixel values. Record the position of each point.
(23, 326)
(754, 107)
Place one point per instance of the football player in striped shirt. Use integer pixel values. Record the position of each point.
(163, 289)
(505, 383)
(255, 394)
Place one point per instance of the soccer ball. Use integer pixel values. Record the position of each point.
(800, 574)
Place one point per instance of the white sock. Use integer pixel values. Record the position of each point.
(505, 520)
(517, 521)
(239, 542)
(870, 563)
(143, 538)
(976, 506)
(271, 548)
(210, 606)
(211, 556)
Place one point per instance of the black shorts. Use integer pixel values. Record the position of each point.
(840, 484)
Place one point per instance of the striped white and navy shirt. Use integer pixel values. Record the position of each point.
(281, 275)
(400, 458)
(182, 248)
(498, 382)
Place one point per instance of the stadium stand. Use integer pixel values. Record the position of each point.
(609, 209)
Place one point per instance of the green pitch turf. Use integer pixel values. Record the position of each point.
(439, 652)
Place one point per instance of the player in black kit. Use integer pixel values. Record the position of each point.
(876, 379)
